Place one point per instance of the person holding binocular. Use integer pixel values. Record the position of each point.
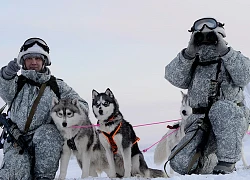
(214, 75)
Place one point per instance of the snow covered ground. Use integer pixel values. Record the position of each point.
(74, 172)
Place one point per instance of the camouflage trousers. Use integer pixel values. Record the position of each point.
(47, 143)
(229, 124)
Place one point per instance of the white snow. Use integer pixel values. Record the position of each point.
(74, 172)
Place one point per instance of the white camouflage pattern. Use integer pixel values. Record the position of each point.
(229, 121)
(46, 138)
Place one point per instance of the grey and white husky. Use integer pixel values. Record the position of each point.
(118, 137)
(173, 136)
(83, 142)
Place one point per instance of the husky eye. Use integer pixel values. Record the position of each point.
(98, 104)
(105, 103)
(69, 114)
(59, 114)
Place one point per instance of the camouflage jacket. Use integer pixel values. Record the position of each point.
(234, 75)
(22, 104)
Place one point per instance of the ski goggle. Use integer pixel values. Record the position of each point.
(30, 42)
(210, 23)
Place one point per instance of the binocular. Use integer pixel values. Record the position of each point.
(208, 38)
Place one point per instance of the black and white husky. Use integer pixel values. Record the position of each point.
(82, 142)
(118, 137)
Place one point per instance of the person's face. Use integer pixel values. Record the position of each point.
(34, 63)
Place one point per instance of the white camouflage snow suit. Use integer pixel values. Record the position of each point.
(47, 141)
(228, 116)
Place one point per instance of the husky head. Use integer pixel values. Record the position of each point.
(67, 112)
(104, 105)
(185, 109)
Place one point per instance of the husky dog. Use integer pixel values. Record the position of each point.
(82, 142)
(118, 137)
(66, 113)
(164, 147)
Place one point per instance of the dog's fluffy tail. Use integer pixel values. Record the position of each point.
(161, 151)
(164, 147)
(155, 173)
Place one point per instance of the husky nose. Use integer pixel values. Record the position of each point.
(101, 112)
(184, 112)
(64, 124)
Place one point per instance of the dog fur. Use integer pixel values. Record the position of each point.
(89, 152)
(169, 141)
(106, 110)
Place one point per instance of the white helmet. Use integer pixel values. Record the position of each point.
(34, 45)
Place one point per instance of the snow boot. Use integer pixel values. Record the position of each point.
(224, 168)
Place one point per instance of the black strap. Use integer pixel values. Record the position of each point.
(218, 69)
(201, 110)
(54, 86)
(20, 83)
(207, 63)
(22, 80)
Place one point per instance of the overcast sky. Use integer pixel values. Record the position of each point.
(123, 45)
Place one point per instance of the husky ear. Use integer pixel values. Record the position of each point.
(54, 101)
(109, 93)
(75, 101)
(94, 94)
